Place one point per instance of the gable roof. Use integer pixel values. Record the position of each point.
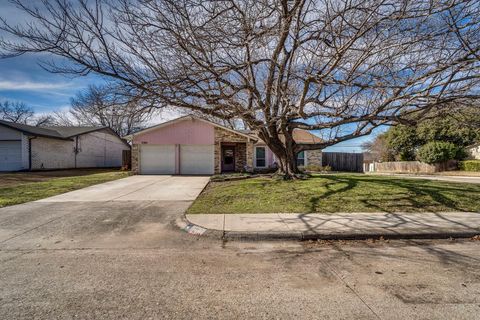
(60, 132)
(299, 135)
(167, 123)
(74, 131)
(305, 137)
(35, 131)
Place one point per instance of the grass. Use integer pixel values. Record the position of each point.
(227, 176)
(16, 188)
(337, 193)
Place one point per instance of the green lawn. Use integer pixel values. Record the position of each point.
(16, 188)
(337, 193)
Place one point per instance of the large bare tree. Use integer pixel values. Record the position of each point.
(108, 106)
(342, 67)
(19, 112)
(15, 111)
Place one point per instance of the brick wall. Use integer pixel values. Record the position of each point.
(96, 149)
(135, 158)
(240, 156)
(250, 156)
(243, 149)
(52, 153)
(99, 149)
(314, 157)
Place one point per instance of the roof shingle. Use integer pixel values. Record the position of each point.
(60, 132)
(299, 136)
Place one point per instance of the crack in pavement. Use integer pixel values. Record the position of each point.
(332, 270)
(23, 252)
(31, 229)
(87, 248)
(145, 186)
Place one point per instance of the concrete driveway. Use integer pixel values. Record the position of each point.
(138, 188)
(134, 211)
(111, 252)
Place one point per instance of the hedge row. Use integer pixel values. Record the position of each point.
(440, 151)
(470, 165)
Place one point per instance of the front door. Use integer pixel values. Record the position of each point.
(228, 158)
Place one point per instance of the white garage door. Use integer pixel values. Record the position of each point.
(196, 159)
(157, 159)
(10, 155)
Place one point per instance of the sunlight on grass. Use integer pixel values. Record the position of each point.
(31, 191)
(337, 193)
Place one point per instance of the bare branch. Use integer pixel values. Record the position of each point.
(342, 67)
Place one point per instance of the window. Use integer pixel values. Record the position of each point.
(260, 157)
(301, 159)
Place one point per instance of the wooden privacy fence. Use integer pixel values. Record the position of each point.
(411, 167)
(343, 161)
(127, 159)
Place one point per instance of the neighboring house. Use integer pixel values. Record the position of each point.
(24, 147)
(190, 145)
(474, 151)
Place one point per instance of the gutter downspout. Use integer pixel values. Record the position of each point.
(30, 152)
(76, 151)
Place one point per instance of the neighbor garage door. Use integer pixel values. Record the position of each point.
(196, 159)
(10, 155)
(157, 159)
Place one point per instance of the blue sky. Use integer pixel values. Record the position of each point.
(23, 79)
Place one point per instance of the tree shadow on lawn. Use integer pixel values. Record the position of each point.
(434, 194)
(339, 187)
(335, 181)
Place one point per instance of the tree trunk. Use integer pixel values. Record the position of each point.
(287, 157)
(287, 166)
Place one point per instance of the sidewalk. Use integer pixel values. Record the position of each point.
(438, 177)
(337, 226)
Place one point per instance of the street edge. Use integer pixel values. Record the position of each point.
(193, 229)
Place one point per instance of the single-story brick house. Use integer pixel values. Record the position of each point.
(24, 147)
(191, 145)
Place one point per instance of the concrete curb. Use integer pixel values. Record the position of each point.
(185, 225)
(196, 230)
(300, 236)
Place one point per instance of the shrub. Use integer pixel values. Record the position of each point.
(229, 176)
(265, 170)
(470, 165)
(437, 151)
(317, 168)
(406, 155)
(461, 154)
(313, 168)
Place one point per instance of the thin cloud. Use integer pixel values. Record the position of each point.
(28, 85)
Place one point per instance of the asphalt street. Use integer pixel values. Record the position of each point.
(78, 258)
